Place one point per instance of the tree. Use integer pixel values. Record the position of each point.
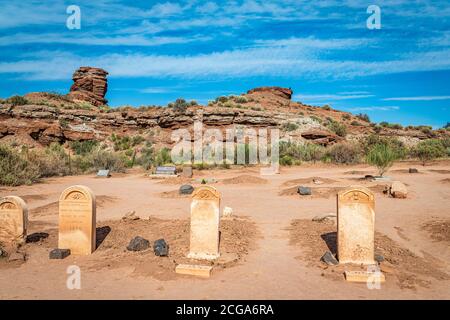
(382, 156)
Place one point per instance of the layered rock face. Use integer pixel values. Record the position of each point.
(90, 84)
(277, 91)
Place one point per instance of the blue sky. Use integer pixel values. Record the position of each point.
(157, 51)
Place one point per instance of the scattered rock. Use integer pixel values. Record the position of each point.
(369, 177)
(413, 170)
(138, 244)
(59, 254)
(227, 212)
(317, 181)
(398, 190)
(2, 253)
(304, 191)
(379, 258)
(186, 189)
(161, 248)
(329, 259)
(130, 216)
(36, 237)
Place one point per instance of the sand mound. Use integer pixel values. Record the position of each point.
(439, 230)
(237, 239)
(440, 171)
(446, 181)
(244, 179)
(310, 180)
(315, 238)
(326, 192)
(358, 172)
(175, 194)
(176, 180)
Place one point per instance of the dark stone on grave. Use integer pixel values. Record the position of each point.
(329, 259)
(186, 189)
(304, 191)
(161, 248)
(59, 253)
(138, 244)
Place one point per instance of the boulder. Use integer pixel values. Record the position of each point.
(304, 191)
(227, 212)
(138, 244)
(398, 190)
(278, 91)
(130, 216)
(161, 248)
(413, 170)
(186, 189)
(59, 254)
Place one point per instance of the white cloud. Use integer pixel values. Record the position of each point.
(374, 108)
(330, 97)
(423, 98)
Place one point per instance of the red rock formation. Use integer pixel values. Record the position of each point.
(278, 91)
(90, 84)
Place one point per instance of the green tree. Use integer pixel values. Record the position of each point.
(428, 150)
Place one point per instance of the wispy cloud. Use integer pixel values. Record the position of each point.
(423, 98)
(374, 108)
(330, 97)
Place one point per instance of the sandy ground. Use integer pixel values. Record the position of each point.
(272, 248)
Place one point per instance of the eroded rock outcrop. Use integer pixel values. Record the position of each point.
(90, 84)
(285, 93)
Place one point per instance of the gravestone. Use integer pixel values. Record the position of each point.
(166, 171)
(77, 220)
(356, 226)
(103, 174)
(205, 219)
(187, 172)
(13, 219)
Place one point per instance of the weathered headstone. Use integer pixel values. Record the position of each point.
(77, 220)
(187, 172)
(205, 219)
(103, 174)
(13, 219)
(356, 226)
(166, 170)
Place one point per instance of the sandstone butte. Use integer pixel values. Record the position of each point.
(83, 115)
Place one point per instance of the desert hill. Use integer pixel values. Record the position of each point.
(38, 119)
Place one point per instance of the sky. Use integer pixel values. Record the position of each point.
(158, 51)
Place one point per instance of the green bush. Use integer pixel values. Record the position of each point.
(163, 157)
(431, 149)
(355, 123)
(290, 126)
(83, 147)
(15, 169)
(382, 156)
(343, 153)
(326, 107)
(17, 101)
(346, 116)
(286, 161)
(398, 147)
(240, 100)
(338, 128)
(301, 152)
(363, 117)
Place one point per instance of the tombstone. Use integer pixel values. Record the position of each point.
(166, 171)
(13, 219)
(356, 226)
(103, 174)
(77, 220)
(187, 172)
(205, 219)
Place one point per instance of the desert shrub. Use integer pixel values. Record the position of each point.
(346, 116)
(301, 152)
(146, 158)
(17, 101)
(286, 160)
(355, 123)
(290, 126)
(83, 147)
(363, 117)
(240, 99)
(180, 105)
(447, 126)
(317, 119)
(338, 128)
(398, 147)
(52, 161)
(428, 150)
(396, 126)
(326, 107)
(163, 157)
(137, 140)
(15, 169)
(222, 99)
(382, 156)
(121, 143)
(100, 159)
(343, 153)
(193, 103)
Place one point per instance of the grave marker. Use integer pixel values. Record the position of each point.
(205, 219)
(13, 219)
(77, 220)
(356, 226)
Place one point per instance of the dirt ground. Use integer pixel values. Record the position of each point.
(271, 249)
